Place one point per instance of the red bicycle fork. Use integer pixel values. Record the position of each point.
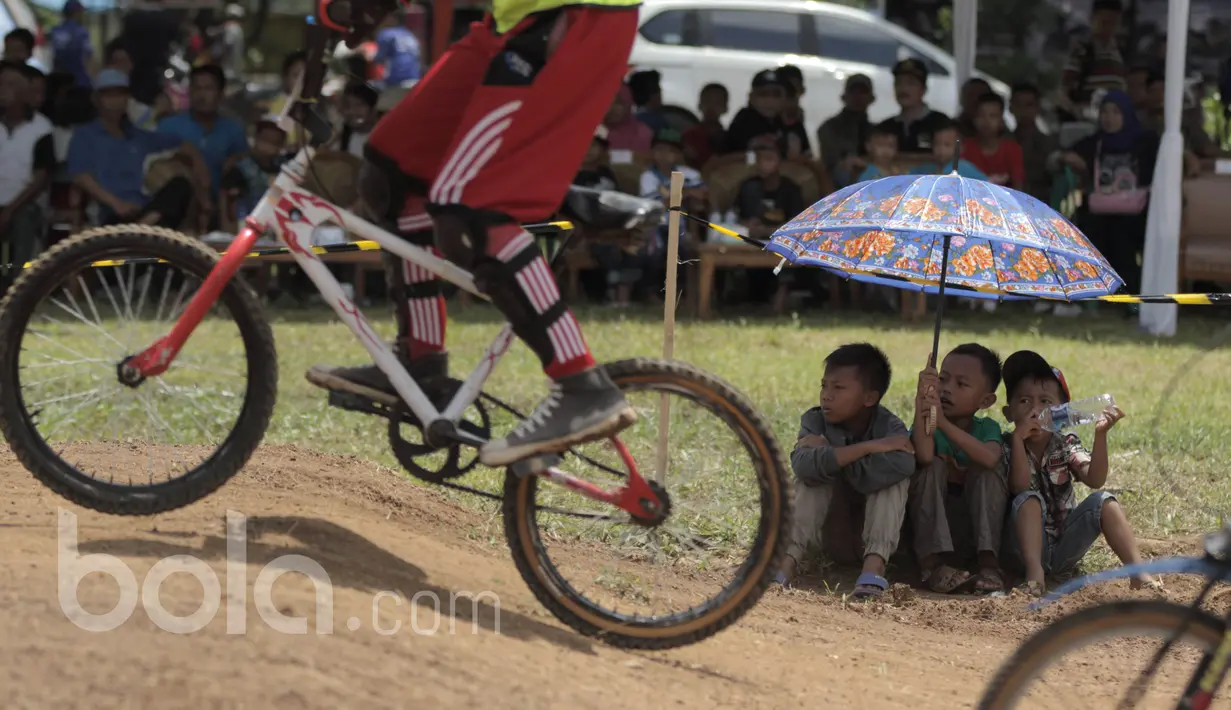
(636, 497)
(155, 359)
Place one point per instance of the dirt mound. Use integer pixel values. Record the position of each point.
(403, 628)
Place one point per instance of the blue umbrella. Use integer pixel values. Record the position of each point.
(987, 241)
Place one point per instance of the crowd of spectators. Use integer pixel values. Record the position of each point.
(766, 139)
(83, 141)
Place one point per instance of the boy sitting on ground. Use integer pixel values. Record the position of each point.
(1051, 531)
(959, 494)
(851, 438)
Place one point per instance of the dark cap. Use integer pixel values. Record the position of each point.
(1113, 5)
(670, 136)
(1027, 363)
(911, 67)
(859, 81)
(768, 77)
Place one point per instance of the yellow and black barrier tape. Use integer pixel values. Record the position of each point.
(1182, 299)
(561, 226)
(539, 229)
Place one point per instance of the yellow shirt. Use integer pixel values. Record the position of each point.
(507, 13)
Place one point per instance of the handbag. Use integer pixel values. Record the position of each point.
(1119, 202)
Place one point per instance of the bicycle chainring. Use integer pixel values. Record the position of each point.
(422, 460)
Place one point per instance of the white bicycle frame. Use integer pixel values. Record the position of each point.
(293, 213)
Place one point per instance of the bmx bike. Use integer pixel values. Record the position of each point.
(1188, 636)
(107, 276)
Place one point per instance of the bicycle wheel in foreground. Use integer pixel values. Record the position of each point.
(1094, 658)
(699, 569)
(166, 442)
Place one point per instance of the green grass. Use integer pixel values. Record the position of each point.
(1169, 458)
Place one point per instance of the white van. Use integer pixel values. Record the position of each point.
(696, 42)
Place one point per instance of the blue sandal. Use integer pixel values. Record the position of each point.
(870, 586)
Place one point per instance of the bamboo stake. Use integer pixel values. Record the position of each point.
(673, 258)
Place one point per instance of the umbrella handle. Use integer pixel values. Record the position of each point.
(778, 268)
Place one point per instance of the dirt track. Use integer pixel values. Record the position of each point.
(373, 531)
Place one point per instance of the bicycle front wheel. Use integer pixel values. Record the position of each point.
(117, 447)
(1092, 659)
(705, 563)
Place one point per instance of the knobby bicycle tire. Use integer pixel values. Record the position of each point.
(754, 575)
(189, 255)
(1041, 650)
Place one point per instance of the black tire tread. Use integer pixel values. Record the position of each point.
(775, 467)
(225, 462)
(1020, 668)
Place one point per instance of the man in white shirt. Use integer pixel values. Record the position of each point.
(28, 156)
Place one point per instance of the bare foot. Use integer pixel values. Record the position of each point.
(1145, 581)
(787, 573)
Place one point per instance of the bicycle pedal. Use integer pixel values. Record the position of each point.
(535, 465)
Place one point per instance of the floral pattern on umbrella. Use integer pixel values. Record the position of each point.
(1003, 243)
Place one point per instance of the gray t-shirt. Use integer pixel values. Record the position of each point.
(819, 466)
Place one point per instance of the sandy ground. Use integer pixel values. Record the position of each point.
(372, 531)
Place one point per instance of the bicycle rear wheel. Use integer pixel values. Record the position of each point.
(68, 323)
(1083, 681)
(599, 580)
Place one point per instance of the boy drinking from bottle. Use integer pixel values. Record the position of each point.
(851, 440)
(1051, 531)
(959, 494)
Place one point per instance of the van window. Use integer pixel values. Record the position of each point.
(753, 31)
(854, 41)
(867, 43)
(671, 27)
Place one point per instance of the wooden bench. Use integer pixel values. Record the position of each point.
(1205, 238)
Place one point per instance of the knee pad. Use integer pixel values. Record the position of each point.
(384, 188)
(461, 232)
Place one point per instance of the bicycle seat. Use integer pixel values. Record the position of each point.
(609, 209)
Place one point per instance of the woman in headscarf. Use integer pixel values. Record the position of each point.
(1117, 163)
(624, 130)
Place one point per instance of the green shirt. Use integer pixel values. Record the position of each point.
(982, 428)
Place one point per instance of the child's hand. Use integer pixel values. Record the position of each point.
(1027, 427)
(1111, 415)
(811, 441)
(890, 444)
(929, 383)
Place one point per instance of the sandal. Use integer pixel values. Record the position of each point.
(989, 581)
(1032, 589)
(1155, 586)
(869, 586)
(947, 580)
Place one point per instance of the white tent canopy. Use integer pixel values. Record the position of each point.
(1162, 251)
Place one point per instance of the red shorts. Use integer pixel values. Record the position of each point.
(502, 122)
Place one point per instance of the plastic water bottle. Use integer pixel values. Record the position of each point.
(1083, 411)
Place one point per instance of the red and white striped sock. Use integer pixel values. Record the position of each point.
(424, 301)
(424, 313)
(569, 352)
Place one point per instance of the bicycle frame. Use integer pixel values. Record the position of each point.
(293, 213)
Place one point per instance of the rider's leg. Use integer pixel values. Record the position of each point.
(419, 311)
(526, 130)
(405, 151)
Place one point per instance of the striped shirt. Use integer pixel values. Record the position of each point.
(1093, 65)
